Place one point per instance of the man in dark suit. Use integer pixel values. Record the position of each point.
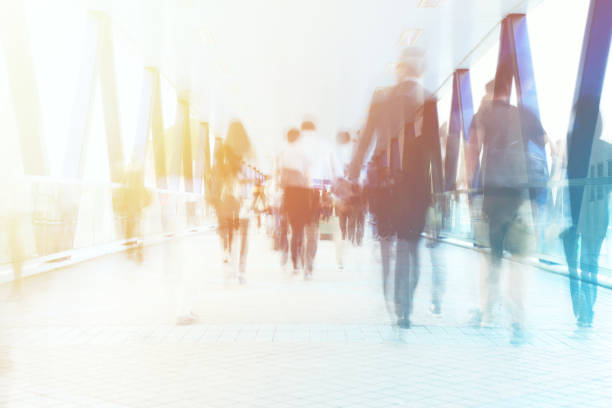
(399, 180)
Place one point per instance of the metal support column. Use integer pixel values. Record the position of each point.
(589, 84)
(515, 61)
(200, 160)
(97, 58)
(184, 138)
(431, 128)
(150, 121)
(143, 126)
(462, 112)
(23, 87)
(157, 133)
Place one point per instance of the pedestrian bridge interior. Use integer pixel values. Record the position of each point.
(118, 286)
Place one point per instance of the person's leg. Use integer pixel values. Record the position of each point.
(517, 279)
(476, 280)
(413, 274)
(244, 232)
(497, 232)
(402, 282)
(294, 218)
(360, 227)
(297, 244)
(139, 235)
(521, 242)
(351, 225)
(589, 259)
(230, 234)
(338, 243)
(516, 288)
(570, 247)
(386, 243)
(308, 250)
(438, 277)
(312, 240)
(16, 252)
(479, 289)
(129, 234)
(342, 220)
(223, 230)
(283, 239)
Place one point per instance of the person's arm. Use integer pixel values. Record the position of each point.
(474, 147)
(365, 141)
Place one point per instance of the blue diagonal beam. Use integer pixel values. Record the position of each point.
(515, 61)
(587, 96)
(452, 141)
(462, 112)
(431, 128)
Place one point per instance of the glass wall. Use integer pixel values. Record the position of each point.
(556, 32)
(43, 215)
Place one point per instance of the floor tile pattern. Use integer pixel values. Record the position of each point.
(103, 334)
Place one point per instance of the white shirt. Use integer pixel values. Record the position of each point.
(320, 153)
(341, 159)
(295, 158)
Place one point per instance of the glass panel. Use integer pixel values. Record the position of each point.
(46, 216)
(129, 69)
(556, 31)
(57, 30)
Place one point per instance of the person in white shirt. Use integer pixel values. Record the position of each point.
(318, 151)
(294, 174)
(341, 159)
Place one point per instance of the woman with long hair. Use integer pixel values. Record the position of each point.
(230, 182)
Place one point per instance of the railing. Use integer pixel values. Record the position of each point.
(461, 218)
(43, 216)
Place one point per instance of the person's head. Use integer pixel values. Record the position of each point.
(343, 137)
(293, 135)
(237, 140)
(502, 90)
(411, 63)
(308, 125)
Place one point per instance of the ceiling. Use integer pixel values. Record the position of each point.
(273, 62)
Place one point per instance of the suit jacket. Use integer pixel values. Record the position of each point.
(404, 156)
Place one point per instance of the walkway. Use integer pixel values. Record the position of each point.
(102, 334)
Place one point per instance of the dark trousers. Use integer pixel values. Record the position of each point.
(583, 285)
(226, 232)
(281, 233)
(406, 276)
(297, 244)
(343, 216)
(312, 243)
(359, 226)
(296, 204)
(243, 226)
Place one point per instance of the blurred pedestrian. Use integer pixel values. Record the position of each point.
(316, 149)
(505, 133)
(340, 160)
(294, 167)
(589, 200)
(230, 178)
(400, 190)
(133, 198)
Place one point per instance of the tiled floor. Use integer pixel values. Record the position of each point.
(103, 334)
